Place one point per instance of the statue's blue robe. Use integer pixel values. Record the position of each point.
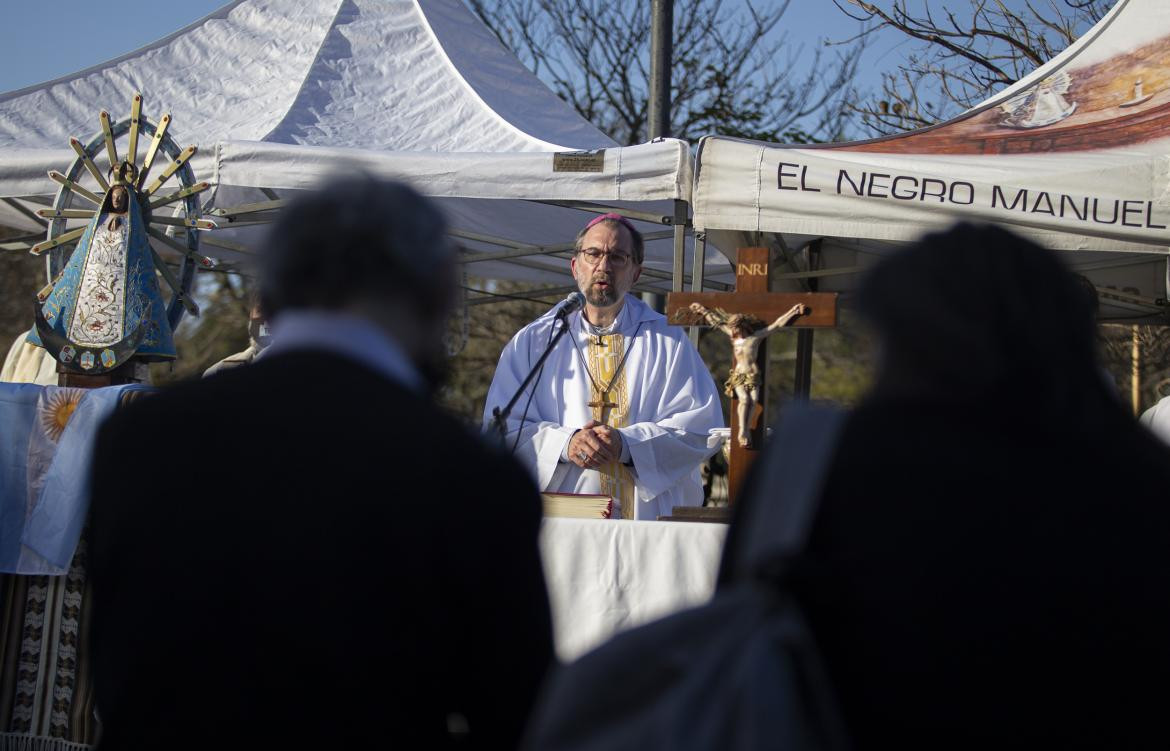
(142, 302)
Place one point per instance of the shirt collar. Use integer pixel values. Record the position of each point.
(343, 334)
(616, 327)
(633, 313)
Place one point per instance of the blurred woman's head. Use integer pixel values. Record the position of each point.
(978, 312)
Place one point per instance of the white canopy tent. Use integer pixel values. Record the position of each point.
(1075, 156)
(278, 94)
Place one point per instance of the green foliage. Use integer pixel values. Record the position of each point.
(489, 328)
(220, 330)
(21, 276)
(842, 364)
(1152, 360)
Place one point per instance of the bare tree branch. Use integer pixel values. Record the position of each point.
(734, 71)
(962, 59)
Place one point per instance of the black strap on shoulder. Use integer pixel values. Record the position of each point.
(774, 520)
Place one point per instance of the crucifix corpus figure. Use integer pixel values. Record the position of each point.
(752, 297)
(743, 382)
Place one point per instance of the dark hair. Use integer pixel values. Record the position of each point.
(978, 311)
(638, 243)
(355, 238)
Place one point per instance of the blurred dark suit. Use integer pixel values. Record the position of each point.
(352, 567)
(304, 551)
(989, 564)
(978, 580)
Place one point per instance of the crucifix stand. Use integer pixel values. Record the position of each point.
(752, 297)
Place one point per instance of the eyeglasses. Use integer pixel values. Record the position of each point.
(593, 257)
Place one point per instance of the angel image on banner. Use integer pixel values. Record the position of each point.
(1043, 104)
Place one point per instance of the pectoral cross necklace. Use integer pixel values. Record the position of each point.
(601, 404)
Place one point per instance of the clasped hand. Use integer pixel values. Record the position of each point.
(594, 444)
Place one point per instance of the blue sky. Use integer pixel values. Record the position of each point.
(45, 40)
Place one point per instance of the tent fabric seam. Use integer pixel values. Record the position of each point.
(426, 22)
(308, 72)
(696, 197)
(759, 197)
(620, 174)
(680, 189)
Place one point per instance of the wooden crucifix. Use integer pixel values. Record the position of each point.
(751, 312)
(601, 406)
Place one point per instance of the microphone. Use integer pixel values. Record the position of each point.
(574, 301)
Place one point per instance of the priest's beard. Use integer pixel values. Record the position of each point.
(601, 297)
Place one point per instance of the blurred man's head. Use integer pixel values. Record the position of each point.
(367, 247)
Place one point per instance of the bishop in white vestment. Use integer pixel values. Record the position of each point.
(623, 405)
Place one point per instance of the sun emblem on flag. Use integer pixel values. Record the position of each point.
(59, 408)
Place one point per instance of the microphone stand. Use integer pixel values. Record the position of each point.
(500, 417)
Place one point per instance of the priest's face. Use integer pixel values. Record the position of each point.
(604, 268)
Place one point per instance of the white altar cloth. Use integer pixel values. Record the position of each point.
(607, 576)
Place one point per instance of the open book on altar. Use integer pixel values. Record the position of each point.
(579, 505)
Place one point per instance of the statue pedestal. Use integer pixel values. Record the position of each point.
(131, 372)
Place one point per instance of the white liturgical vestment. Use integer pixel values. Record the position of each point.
(646, 379)
(1157, 419)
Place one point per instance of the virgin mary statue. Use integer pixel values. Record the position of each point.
(106, 305)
